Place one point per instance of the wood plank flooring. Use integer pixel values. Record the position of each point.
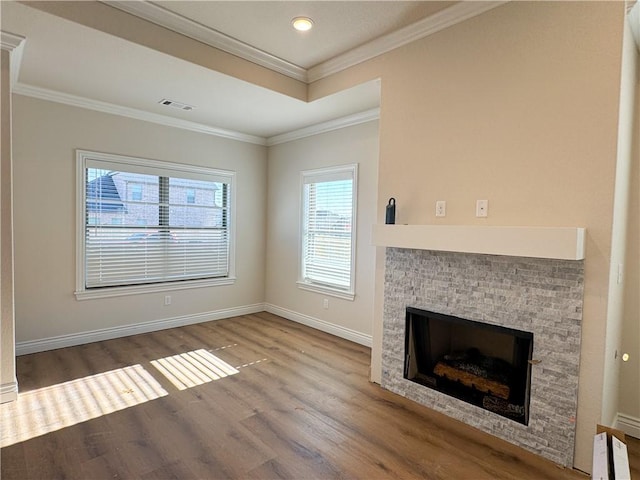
(258, 397)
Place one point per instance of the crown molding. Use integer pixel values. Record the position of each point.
(113, 109)
(10, 41)
(177, 23)
(104, 107)
(14, 44)
(343, 122)
(457, 13)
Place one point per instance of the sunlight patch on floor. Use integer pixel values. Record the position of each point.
(48, 409)
(194, 368)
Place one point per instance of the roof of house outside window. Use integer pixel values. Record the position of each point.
(103, 196)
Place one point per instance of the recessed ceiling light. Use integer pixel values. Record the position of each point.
(302, 24)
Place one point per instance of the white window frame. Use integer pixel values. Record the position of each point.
(82, 158)
(319, 175)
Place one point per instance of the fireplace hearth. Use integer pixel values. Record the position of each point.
(482, 364)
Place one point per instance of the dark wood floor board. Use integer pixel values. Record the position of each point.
(106, 466)
(171, 471)
(366, 461)
(302, 367)
(423, 434)
(394, 450)
(300, 451)
(234, 445)
(13, 463)
(340, 354)
(300, 407)
(269, 338)
(48, 458)
(341, 349)
(36, 366)
(179, 438)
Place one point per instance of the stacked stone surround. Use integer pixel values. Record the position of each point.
(541, 296)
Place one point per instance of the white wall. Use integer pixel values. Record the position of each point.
(355, 144)
(8, 383)
(45, 137)
(618, 262)
(629, 401)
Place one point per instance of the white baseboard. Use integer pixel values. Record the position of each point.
(628, 424)
(318, 324)
(41, 345)
(8, 392)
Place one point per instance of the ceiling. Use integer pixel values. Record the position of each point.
(65, 61)
(339, 26)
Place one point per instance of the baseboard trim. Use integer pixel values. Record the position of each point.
(44, 344)
(8, 392)
(321, 325)
(628, 424)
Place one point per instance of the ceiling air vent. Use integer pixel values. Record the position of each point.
(174, 104)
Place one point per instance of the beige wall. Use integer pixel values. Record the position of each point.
(518, 106)
(356, 144)
(45, 138)
(8, 386)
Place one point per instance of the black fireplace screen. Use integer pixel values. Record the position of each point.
(480, 363)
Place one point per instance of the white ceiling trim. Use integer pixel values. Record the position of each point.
(15, 45)
(348, 121)
(104, 107)
(165, 18)
(10, 41)
(457, 13)
(113, 109)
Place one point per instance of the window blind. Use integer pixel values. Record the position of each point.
(148, 225)
(327, 228)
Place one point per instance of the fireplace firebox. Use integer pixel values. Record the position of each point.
(485, 365)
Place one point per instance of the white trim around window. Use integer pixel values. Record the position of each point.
(197, 236)
(328, 219)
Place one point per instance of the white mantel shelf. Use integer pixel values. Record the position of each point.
(564, 243)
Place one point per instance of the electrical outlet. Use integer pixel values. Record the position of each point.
(482, 208)
(167, 299)
(441, 208)
(325, 303)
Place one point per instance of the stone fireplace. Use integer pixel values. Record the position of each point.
(540, 297)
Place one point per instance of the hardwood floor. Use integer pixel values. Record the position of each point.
(258, 397)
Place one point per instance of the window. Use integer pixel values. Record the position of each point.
(327, 262)
(136, 192)
(154, 238)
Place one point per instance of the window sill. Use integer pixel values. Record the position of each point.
(153, 288)
(332, 292)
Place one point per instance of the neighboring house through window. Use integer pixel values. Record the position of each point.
(327, 260)
(141, 227)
